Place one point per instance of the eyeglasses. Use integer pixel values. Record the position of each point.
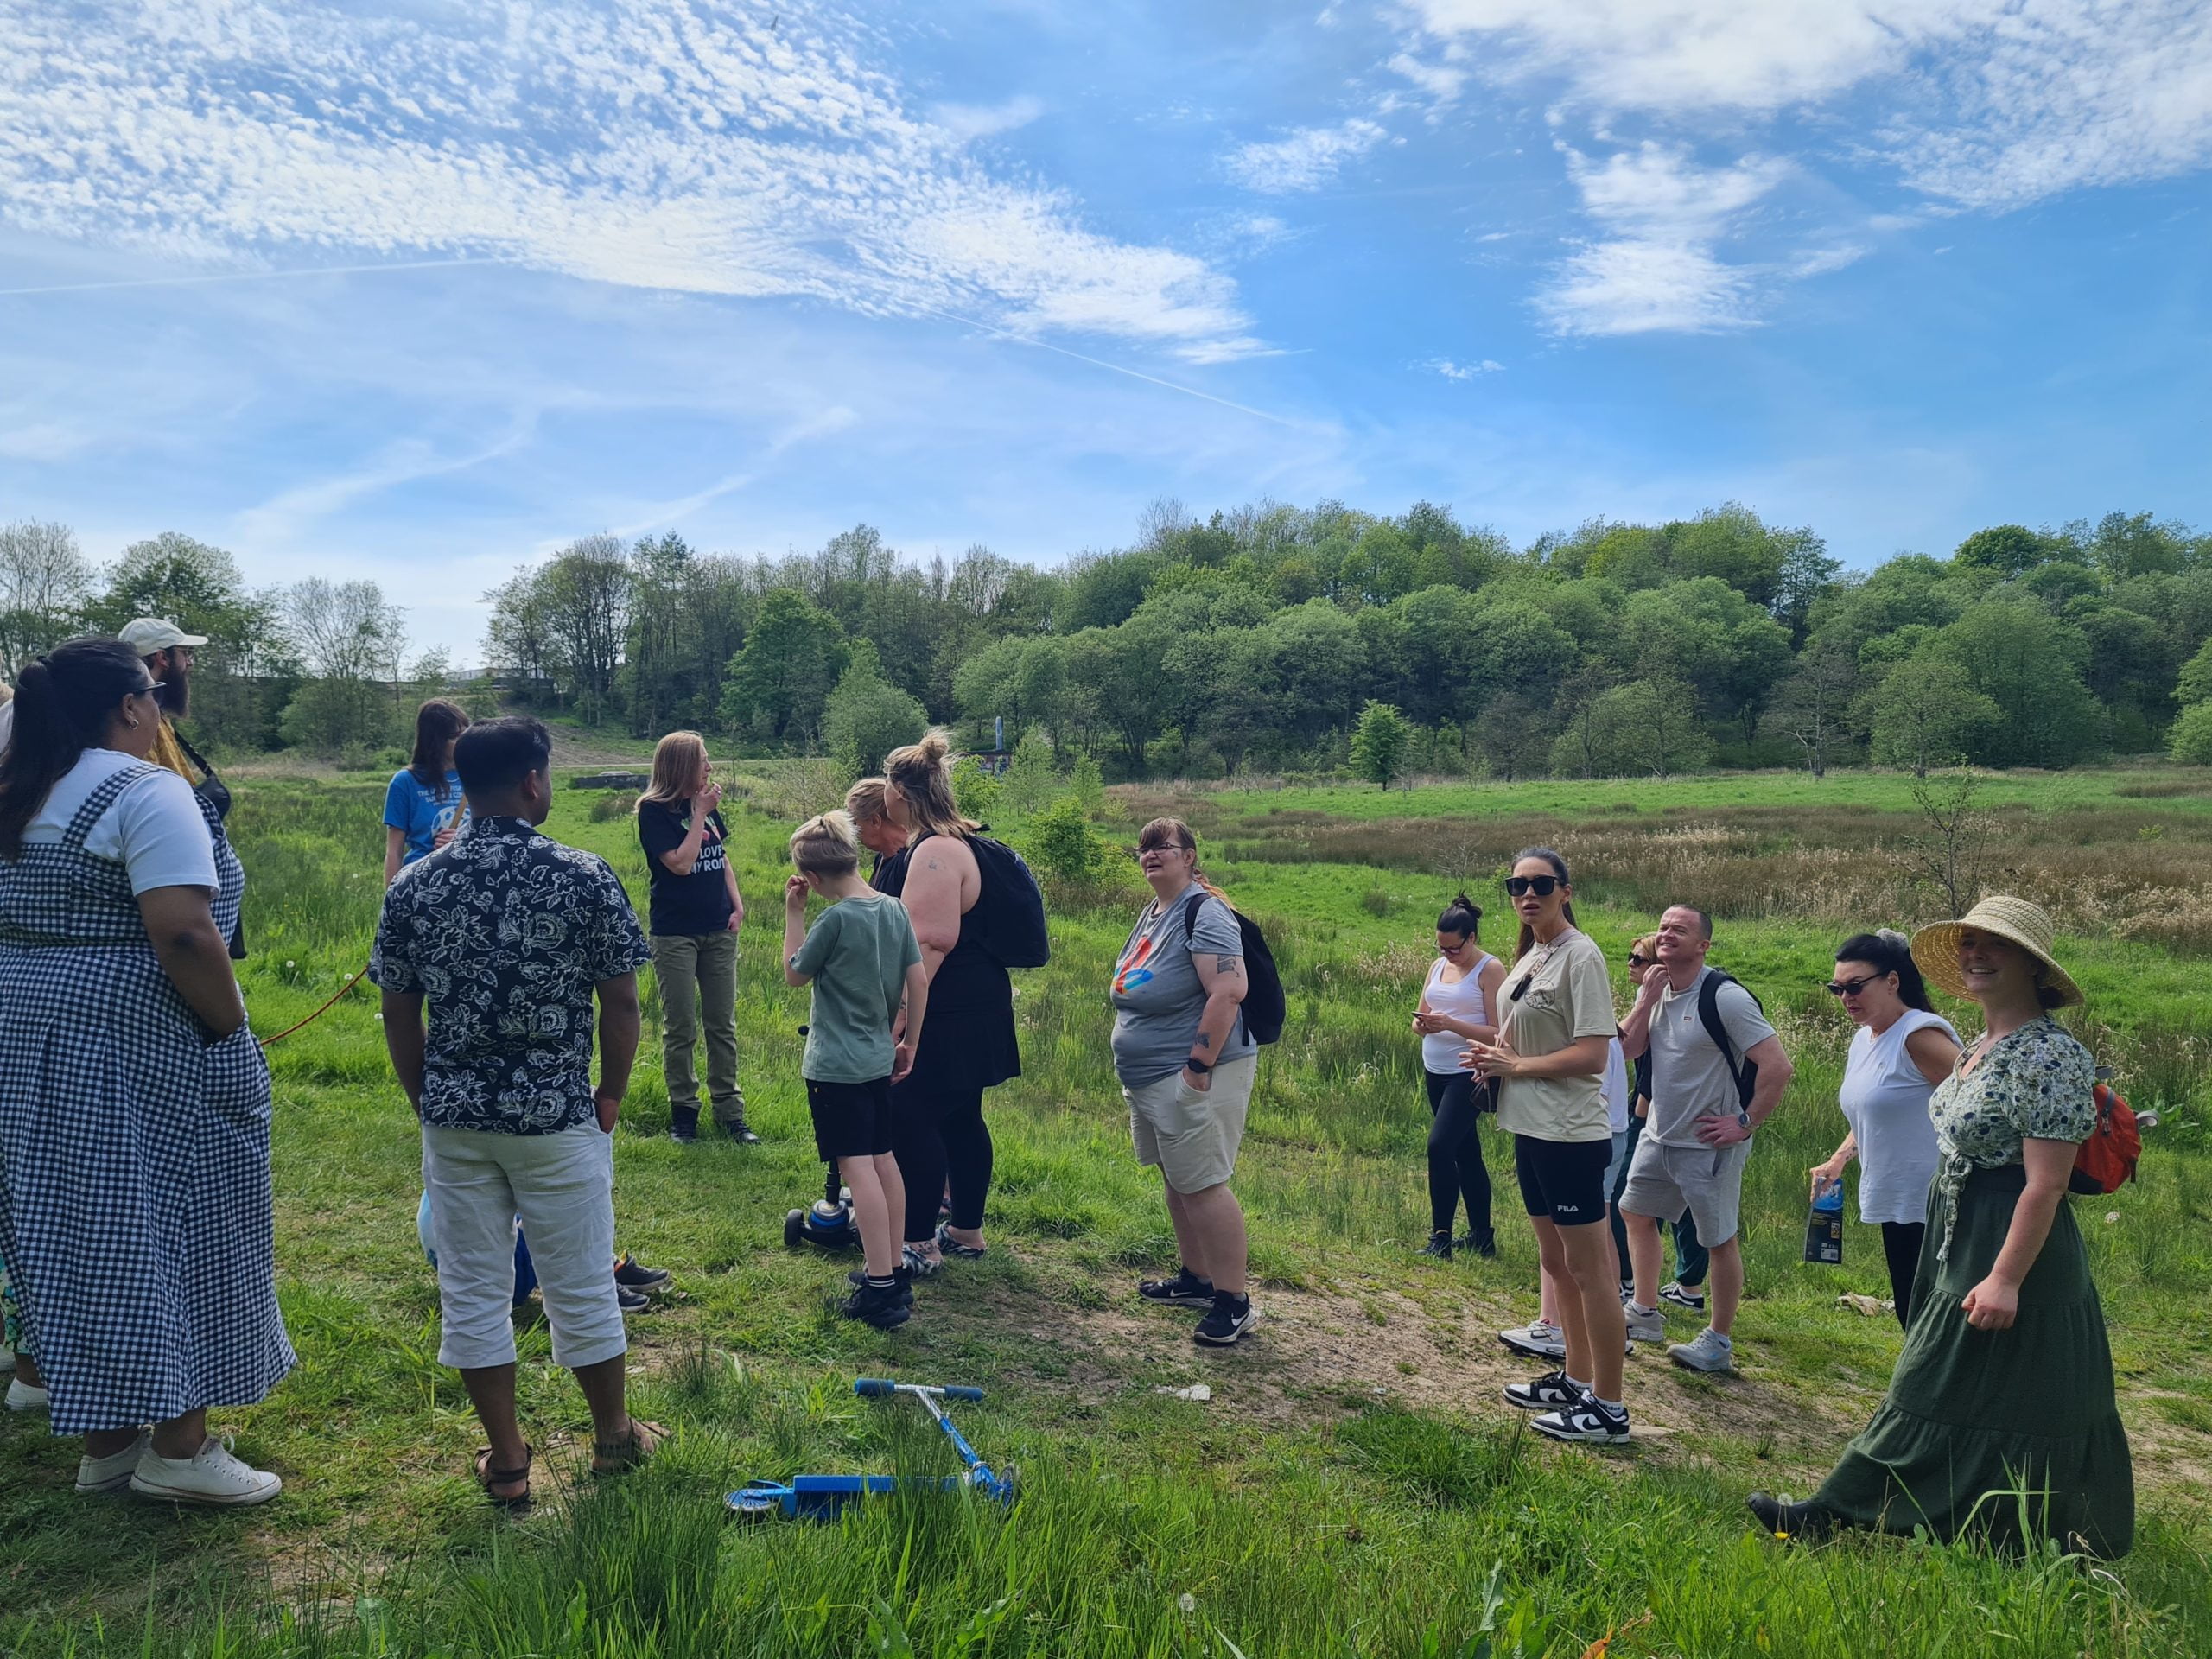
(149, 688)
(1853, 986)
(1163, 846)
(1542, 885)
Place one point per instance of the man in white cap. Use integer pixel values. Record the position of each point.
(167, 650)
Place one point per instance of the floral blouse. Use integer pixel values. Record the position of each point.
(2033, 1084)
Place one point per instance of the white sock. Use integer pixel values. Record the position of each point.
(1640, 1310)
(1574, 1382)
(1612, 1405)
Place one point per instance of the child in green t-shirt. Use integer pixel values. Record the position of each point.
(864, 964)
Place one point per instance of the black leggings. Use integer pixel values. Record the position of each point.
(1901, 1243)
(937, 1137)
(1455, 1156)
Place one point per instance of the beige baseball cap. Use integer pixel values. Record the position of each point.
(148, 635)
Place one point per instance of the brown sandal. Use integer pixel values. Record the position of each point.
(487, 1478)
(613, 1457)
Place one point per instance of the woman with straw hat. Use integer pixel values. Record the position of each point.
(2000, 1419)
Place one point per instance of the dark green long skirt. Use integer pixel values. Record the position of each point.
(2010, 1434)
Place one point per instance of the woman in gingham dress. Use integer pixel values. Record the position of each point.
(134, 1102)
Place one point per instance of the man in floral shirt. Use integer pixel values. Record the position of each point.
(511, 939)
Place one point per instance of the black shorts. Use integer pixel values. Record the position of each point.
(851, 1119)
(1563, 1181)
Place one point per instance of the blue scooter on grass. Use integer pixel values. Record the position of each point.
(822, 1498)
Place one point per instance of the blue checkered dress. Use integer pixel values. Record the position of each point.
(134, 1157)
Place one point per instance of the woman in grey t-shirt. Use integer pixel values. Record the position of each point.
(1186, 1063)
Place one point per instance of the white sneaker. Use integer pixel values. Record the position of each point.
(211, 1475)
(1711, 1351)
(22, 1396)
(1645, 1327)
(113, 1473)
(1536, 1340)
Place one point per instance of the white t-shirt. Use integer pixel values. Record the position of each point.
(1614, 1084)
(1884, 1099)
(155, 828)
(1463, 1000)
(1690, 1079)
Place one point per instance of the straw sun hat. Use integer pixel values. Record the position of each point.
(1936, 947)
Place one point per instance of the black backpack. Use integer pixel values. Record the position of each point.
(1007, 921)
(1746, 1072)
(1264, 1008)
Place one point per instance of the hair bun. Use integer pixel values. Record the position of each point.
(1890, 936)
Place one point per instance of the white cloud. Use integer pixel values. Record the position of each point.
(1451, 371)
(1443, 82)
(1660, 269)
(970, 121)
(694, 148)
(1306, 159)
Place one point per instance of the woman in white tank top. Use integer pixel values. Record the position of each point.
(1901, 1051)
(1456, 1006)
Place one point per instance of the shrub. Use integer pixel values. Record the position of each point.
(2190, 740)
(975, 792)
(1064, 845)
(619, 805)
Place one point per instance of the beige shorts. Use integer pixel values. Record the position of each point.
(1193, 1135)
(1707, 1181)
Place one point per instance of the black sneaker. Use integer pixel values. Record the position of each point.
(737, 1131)
(885, 1307)
(633, 1275)
(1791, 1522)
(900, 1276)
(1185, 1289)
(1438, 1245)
(1485, 1247)
(1585, 1420)
(684, 1131)
(1545, 1393)
(1682, 1295)
(632, 1301)
(1226, 1321)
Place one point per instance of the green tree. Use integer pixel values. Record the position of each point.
(1813, 704)
(2008, 549)
(781, 677)
(1926, 713)
(1379, 743)
(585, 594)
(1028, 782)
(2029, 663)
(2189, 739)
(248, 669)
(866, 717)
(2194, 684)
(1708, 634)
(1065, 844)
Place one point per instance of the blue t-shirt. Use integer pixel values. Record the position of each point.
(418, 815)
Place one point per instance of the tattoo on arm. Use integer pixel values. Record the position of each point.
(1229, 967)
(1205, 1041)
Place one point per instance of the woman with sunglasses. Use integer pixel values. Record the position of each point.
(1456, 1008)
(1548, 1058)
(1901, 1050)
(134, 1212)
(2000, 1421)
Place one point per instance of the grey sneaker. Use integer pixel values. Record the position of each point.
(113, 1473)
(1645, 1327)
(1682, 1295)
(1711, 1353)
(1536, 1340)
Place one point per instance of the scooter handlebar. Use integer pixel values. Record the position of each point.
(874, 1385)
(962, 1391)
(877, 1387)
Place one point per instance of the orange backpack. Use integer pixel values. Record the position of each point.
(2107, 1159)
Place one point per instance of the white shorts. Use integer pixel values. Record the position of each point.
(563, 1187)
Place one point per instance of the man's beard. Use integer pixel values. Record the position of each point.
(176, 694)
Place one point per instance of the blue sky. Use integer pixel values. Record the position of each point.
(420, 291)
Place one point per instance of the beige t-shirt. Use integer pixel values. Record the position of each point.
(1568, 996)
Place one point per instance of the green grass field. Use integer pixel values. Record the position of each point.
(1353, 1486)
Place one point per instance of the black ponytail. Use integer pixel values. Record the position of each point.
(1890, 952)
(1461, 916)
(64, 701)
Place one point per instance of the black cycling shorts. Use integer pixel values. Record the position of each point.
(1563, 1181)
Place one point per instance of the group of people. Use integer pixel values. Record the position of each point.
(135, 1194)
(2001, 1414)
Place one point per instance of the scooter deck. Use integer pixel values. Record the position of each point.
(822, 1498)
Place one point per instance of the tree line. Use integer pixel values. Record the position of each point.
(1273, 637)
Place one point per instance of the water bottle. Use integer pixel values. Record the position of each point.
(1824, 1225)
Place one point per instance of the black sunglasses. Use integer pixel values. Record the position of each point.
(1635, 961)
(1853, 986)
(1542, 885)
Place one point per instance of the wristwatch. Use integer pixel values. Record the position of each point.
(1743, 1121)
(1199, 1066)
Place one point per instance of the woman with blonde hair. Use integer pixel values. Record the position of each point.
(695, 915)
(969, 1044)
(872, 824)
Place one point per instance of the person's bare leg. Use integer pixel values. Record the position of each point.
(872, 1211)
(1589, 1251)
(1727, 1283)
(894, 1198)
(1643, 1255)
(1547, 1297)
(491, 1391)
(1190, 1243)
(1218, 1220)
(27, 1373)
(606, 1386)
(1567, 1298)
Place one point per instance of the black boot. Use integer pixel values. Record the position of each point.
(1806, 1523)
(735, 1128)
(1438, 1245)
(683, 1123)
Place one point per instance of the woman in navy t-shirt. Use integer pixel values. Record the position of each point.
(423, 809)
(696, 914)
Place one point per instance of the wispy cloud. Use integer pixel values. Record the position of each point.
(1304, 160)
(1451, 371)
(706, 148)
(970, 120)
(1659, 270)
(282, 518)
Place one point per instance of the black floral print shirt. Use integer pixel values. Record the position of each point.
(2036, 1083)
(504, 932)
